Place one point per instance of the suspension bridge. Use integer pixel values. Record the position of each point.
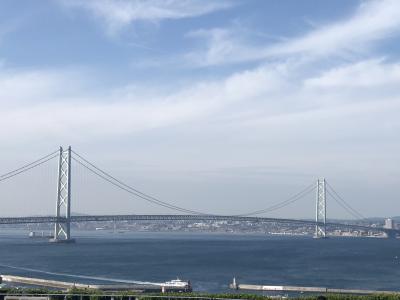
(62, 219)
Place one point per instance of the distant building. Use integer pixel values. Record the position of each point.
(389, 224)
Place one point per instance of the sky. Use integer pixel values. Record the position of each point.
(224, 106)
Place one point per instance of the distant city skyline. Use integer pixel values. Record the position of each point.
(217, 106)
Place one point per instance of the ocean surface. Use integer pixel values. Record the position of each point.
(210, 261)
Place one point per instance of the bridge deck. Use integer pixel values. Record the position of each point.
(102, 218)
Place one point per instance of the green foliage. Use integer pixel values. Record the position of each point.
(86, 291)
(30, 291)
(93, 294)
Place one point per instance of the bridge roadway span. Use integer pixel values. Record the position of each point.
(104, 218)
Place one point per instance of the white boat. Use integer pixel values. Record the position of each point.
(177, 283)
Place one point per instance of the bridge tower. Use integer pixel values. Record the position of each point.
(62, 230)
(320, 210)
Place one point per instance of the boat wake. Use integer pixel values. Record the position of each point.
(106, 279)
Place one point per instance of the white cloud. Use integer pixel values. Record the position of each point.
(372, 21)
(38, 86)
(364, 74)
(223, 46)
(121, 13)
(269, 115)
(45, 96)
(277, 92)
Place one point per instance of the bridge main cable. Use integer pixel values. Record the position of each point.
(121, 185)
(29, 166)
(283, 203)
(335, 196)
(118, 183)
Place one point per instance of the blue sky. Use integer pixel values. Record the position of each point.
(223, 106)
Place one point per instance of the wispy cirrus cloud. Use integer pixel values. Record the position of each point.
(119, 14)
(64, 100)
(222, 46)
(371, 22)
(366, 74)
(275, 91)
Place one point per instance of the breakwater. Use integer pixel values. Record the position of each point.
(64, 285)
(304, 289)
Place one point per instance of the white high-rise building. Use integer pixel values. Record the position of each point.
(389, 224)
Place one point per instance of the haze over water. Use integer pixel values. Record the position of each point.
(209, 261)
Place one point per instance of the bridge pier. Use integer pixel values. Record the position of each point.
(62, 226)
